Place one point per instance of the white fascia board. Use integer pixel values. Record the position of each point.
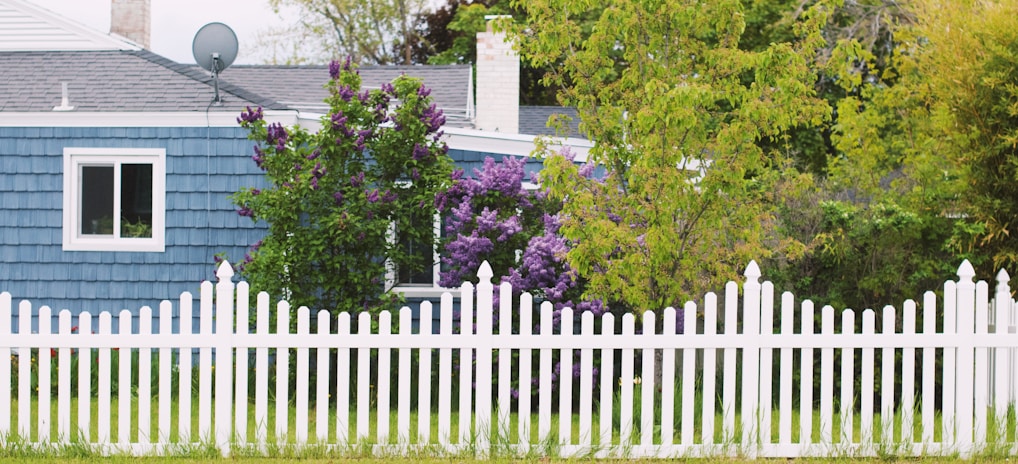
(511, 144)
(498, 143)
(136, 119)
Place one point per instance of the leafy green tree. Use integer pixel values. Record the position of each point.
(370, 31)
(677, 109)
(342, 203)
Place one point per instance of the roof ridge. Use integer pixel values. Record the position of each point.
(192, 72)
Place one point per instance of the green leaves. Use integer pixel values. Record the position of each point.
(333, 197)
(677, 110)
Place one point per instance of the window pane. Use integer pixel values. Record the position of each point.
(136, 200)
(96, 200)
(420, 251)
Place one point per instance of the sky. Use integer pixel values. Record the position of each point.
(174, 22)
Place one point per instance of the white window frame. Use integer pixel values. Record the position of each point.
(434, 290)
(74, 159)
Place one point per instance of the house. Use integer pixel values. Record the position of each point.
(115, 164)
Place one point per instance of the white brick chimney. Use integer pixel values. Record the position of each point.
(132, 19)
(498, 82)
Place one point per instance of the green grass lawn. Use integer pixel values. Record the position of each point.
(284, 446)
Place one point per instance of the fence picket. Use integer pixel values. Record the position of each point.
(85, 380)
(565, 377)
(586, 381)
(980, 392)
(908, 375)
(165, 371)
(604, 415)
(965, 357)
(729, 377)
(505, 327)
(322, 374)
(225, 297)
(525, 366)
(124, 382)
(484, 312)
(466, 361)
(827, 379)
(646, 383)
(1001, 356)
(104, 406)
(787, 318)
(64, 380)
(948, 391)
(668, 383)
(887, 376)
(866, 365)
(766, 400)
(688, 378)
(343, 379)
(544, 389)
(43, 382)
(710, 327)
(282, 374)
(184, 389)
(261, 407)
(24, 372)
(847, 401)
(205, 325)
(363, 380)
(384, 365)
(424, 379)
(751, 358)
(145, 379)
(240, 377)
(806, 376)
(445, 371)
(302, 367)
(403, 382)
(626, 379)
(929, 368)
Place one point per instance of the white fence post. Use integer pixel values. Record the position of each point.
(966, 306)
(482, 424)
(750, 358)
(224, 358)
(1000, 362)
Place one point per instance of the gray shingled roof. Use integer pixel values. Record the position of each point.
(302, 87)
(534, 120)
(121, 81)
(111, 81)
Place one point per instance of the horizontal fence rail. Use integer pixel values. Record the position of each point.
(747, 374)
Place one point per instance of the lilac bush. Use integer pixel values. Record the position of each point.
(332, 196)
(491, 217)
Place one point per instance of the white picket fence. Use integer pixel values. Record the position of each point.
(717, 393)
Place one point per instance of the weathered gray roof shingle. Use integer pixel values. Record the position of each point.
(129, 81)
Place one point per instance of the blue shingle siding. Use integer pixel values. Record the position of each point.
(200, 172)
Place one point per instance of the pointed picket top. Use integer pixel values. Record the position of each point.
(752, 272)
(1003, 278)
(225, 271)
(484, 274)
(965, 272)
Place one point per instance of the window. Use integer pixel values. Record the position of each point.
(114, 199)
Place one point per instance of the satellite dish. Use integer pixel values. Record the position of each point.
(214, 48)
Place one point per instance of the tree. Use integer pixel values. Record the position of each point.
(936, 129)
(341, 202)
(370, 31)
(677, 110)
